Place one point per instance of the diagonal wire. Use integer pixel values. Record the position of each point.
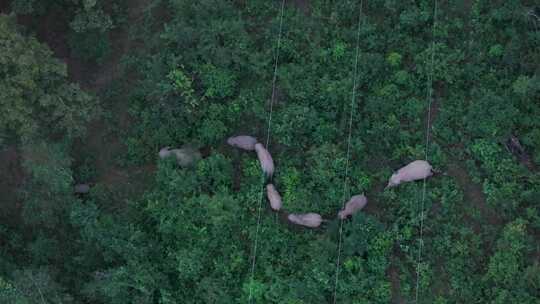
(37, 287)
(276, 59)
(430, 99)
(345, 180)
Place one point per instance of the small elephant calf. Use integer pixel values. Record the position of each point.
(185, 156)
(355, 204)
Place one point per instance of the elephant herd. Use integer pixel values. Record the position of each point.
(186, 156)
(416, 170)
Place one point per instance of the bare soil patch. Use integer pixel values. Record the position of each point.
(473, 194)
(303, 6)
(393, 275)
(12, 178)
(106, 144)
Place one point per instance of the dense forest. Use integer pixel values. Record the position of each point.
(346, 92)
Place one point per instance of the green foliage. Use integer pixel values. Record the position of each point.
(90, 18)
(254, 291)
(33, 286)
(508, 277)
(8, 293)
(35, 94)
(218, 83)
(90, 46)
(89, 39)
(89, 21)
(24, 6)
(49, 189)
(85, 171)
(177, 252)
(394, 59)
(366, 253)
(214, 125)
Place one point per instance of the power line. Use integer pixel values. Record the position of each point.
(430, 99)
(276, 59)
(345, 180)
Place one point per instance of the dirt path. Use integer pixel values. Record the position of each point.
(473, 194)
(393, 274)
(12, 178)
(110, 70)
(434, 110)
(303, 5)
(100, 140)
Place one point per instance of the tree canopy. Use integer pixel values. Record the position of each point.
(36, 97)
